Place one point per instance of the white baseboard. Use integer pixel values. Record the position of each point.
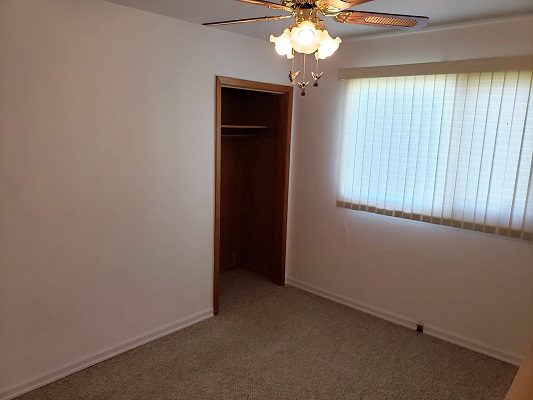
(86, 362)
(408, 323)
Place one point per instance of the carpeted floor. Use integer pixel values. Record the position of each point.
(273, 342)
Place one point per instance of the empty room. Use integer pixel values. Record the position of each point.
(249, 199)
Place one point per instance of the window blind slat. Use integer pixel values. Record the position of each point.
(452, 149)
(500, 151)
(349, 142)
(359, 134)
(419, 144)
(450, 183)
(511, 157)
(487, 165)
(481, 135)
(526, 148)
(467, 194)
(443, 151)
(388, 113)
(392, 159)
(412, 150)
(404, 145)
(432, 149)
(527, 219)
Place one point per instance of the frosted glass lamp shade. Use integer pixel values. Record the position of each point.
(328, 46)
(305, 38)
(283, 44)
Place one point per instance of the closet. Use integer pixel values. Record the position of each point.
(253, 129)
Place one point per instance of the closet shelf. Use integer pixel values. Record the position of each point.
(244, 135)
(246, 126)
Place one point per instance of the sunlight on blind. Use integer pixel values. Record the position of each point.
(452, 149)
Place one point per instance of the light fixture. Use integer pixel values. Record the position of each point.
(283, 44)
(307, 36)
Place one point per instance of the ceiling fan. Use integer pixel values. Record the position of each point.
(308, 35)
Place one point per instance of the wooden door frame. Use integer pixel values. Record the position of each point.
(287, 93)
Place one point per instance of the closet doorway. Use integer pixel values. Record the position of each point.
(253, 136)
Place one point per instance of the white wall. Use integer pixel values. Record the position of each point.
(470, 287)
(107, 176)
(106, 195)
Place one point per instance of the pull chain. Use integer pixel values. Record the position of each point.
(302, 85)
(305, 72)
(293, 74)
(316, 75)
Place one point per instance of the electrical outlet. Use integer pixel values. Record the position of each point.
(420, 327)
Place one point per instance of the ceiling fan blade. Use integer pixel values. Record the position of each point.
(380, 19)
(247, 20)
(331, 5)
(269, 4)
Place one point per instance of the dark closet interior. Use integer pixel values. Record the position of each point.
(253, 180)
(248, 181)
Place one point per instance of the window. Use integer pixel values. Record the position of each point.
(454, 149)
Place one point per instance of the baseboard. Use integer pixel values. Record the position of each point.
(43, 380)
(408, 323)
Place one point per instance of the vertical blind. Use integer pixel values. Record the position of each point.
(453, 149)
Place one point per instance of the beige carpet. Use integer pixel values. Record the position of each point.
(274, 342)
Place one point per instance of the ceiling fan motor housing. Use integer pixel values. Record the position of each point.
(299, 3)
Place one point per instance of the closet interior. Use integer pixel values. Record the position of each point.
(253, 139)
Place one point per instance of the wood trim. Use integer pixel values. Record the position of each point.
(522, 387)
(445, 67)
(218, 153)
(287, 93)
(251, 85)
(280, 279)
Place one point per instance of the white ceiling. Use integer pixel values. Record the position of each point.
(440, 12)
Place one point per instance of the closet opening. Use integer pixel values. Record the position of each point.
(253, 134)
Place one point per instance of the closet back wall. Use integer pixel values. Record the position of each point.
(472, 288)
(248, 179)
(107, 167)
